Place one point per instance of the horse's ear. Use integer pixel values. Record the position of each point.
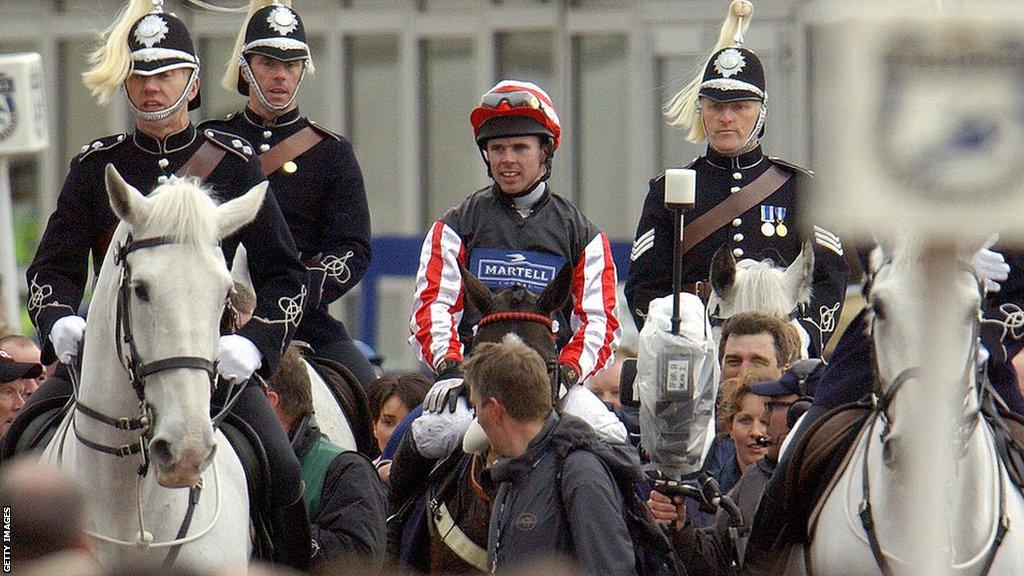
(723, 272)
(127, 202)
(479, 296)
(237, 212)
(556, 292)
(800, 274)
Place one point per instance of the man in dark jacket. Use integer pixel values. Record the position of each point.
(548, 503)
(344, 495)
(313, 172)
(149, 58)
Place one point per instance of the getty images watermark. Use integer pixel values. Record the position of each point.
(7, 540)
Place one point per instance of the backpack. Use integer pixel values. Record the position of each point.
(652, 546)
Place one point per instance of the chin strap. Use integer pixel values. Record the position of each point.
(243, 66)
(166, 112)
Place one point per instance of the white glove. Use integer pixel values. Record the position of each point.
(990, 265)
(437, 435)
(66, 335)
(443, 394)
(237, 358)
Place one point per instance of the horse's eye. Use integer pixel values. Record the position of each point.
(141, 293)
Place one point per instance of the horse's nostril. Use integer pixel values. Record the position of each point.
(160, 451)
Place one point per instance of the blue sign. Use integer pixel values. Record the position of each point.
(500, 268)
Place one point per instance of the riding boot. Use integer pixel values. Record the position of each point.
(292, 537)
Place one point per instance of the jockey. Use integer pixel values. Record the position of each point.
(745, 200)
(313, 172)
(516, 232)
(149, 54)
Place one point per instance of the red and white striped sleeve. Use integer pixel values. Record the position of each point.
(595, 326)
(438, 303)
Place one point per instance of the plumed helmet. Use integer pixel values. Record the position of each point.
(272, 29)
(732, 74)
(515, 108)
(143, 40)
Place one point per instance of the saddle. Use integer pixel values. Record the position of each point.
(818, 457)
(823, 452)
(33, 429)
(1008, 430)
(351, 398)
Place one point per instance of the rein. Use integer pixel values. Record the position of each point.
(137, 373)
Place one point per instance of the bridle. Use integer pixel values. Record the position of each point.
(138, 371)
(883, 395)
(554, 369)
(716, 319)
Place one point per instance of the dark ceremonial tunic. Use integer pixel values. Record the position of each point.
(768, 230)
(83, 222)
(324, 202)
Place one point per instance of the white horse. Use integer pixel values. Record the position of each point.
(329, 415)
(757, 285)
(172, 320)
(925, 472)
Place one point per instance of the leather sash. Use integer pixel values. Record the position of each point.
(202, 163)
(289, 149)
(746, 198)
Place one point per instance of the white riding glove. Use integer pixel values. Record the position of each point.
(66, 335)
(438, 434)
(237, 358)
(443, 395)
(990, 265)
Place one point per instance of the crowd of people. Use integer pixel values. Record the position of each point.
(565, 481)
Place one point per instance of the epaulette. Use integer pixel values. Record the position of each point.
(230, 142)
(324, 131)
(105, 143)
(690, 165)
(792, 167)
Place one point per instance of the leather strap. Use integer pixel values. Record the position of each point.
(457, 540)
(289, 149)
(202, 163)
(746, 198)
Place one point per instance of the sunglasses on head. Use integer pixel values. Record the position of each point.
(517, 99)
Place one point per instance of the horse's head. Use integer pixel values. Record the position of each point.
(752, 285)
(171, 296)
(517, 310)
(899, 309)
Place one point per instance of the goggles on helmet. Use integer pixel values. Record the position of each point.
(516, 99)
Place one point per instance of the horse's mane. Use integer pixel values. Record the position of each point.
(183, 210)
(760, 286)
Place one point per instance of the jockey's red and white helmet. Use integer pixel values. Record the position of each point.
(515, 108)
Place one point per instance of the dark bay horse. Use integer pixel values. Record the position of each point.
(458, 493)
